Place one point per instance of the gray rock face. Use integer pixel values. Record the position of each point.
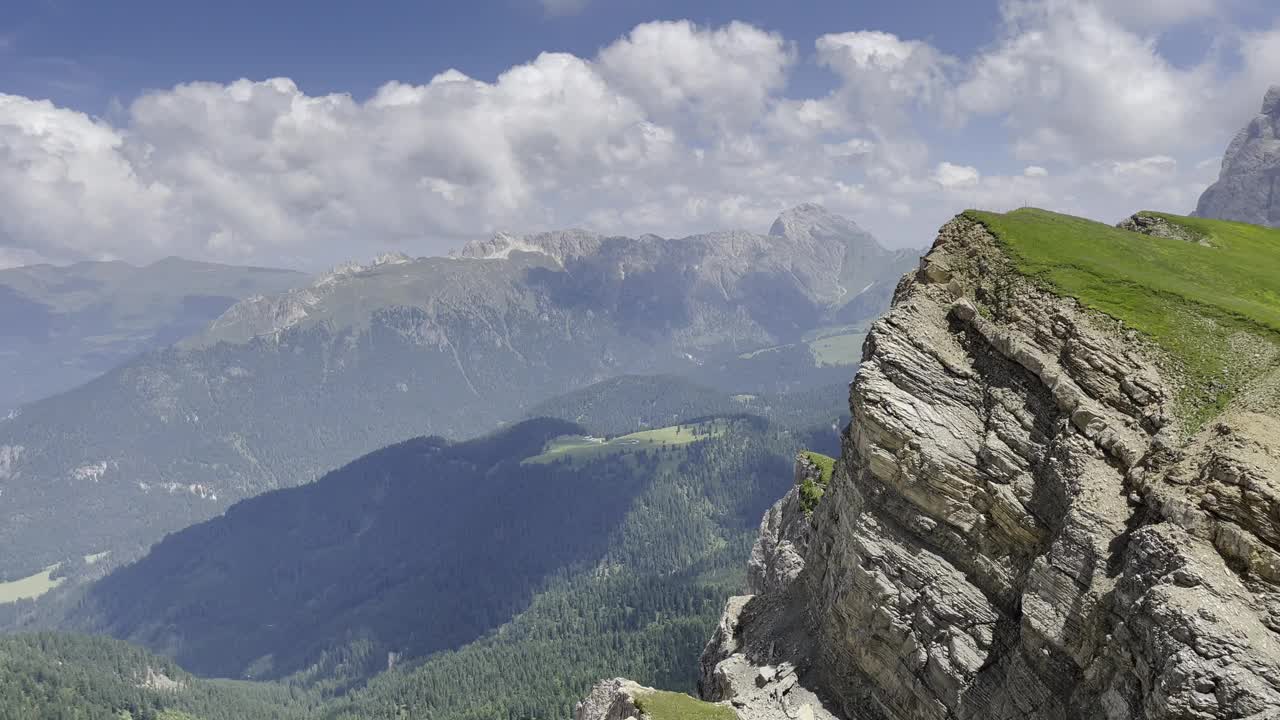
(1247, 188)
(757, 671)
(610, 700)
(621, 699)
(1156, 226)
(1017, 529)
(778, 555)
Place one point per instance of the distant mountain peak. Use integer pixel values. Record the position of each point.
(558, 245)
(1271, 101)
(811, 221)
(807, 210)
(352, 267)
(1246, 190)
(392, 258)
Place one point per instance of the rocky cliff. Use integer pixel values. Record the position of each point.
(1247, 189)
(1027, 521)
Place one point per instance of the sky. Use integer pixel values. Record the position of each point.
(304, 134)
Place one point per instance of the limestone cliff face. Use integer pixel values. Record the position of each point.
(1018, 527)
(1248, 188)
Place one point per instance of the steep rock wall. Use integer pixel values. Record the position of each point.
(1018, 527)
(1246, 189)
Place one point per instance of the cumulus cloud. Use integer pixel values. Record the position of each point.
(673, 128)
(882, 68)
(1074, 84)
(677, 70)
(952, 176)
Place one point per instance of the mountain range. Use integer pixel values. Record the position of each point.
(282, 388)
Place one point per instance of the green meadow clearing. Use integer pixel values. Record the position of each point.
(578, 447)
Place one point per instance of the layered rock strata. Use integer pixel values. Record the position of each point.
(1019, 527)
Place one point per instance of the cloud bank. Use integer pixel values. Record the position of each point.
(673, 128)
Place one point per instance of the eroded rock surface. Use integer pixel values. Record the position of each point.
(1018, 528)
(611, 700)
(1156, 226)
(1248, 188)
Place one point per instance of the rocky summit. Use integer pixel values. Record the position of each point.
(1033, 516)
(1248, 189)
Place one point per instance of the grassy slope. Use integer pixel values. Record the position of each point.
(676, 706)
(1210, 307)
(32, 586)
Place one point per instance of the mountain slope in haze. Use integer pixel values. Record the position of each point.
(62, 326)
(281, 389)
(630, 403)
(429, 546)
(1248, 188)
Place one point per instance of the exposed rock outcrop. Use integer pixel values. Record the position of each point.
(1248, 188)
(611, 700)
(1018, 528)
(1156, 226)
(620, 699)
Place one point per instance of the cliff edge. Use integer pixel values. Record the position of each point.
(1041, 510)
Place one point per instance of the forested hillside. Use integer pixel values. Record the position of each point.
(49, 676)
(645, 610)
(466, 565)
(635, 402)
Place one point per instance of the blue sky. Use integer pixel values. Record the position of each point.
(84, 53)
(306, 133)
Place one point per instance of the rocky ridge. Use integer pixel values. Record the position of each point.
(1248, 188)
(1019, 527)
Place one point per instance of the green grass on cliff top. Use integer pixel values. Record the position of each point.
(1213, 308)
(676, 706)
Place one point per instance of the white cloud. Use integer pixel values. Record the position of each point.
(883, 66)
(64, 182)
(1074, 84)
(951, 176)
(677, 70)
(673, 128)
